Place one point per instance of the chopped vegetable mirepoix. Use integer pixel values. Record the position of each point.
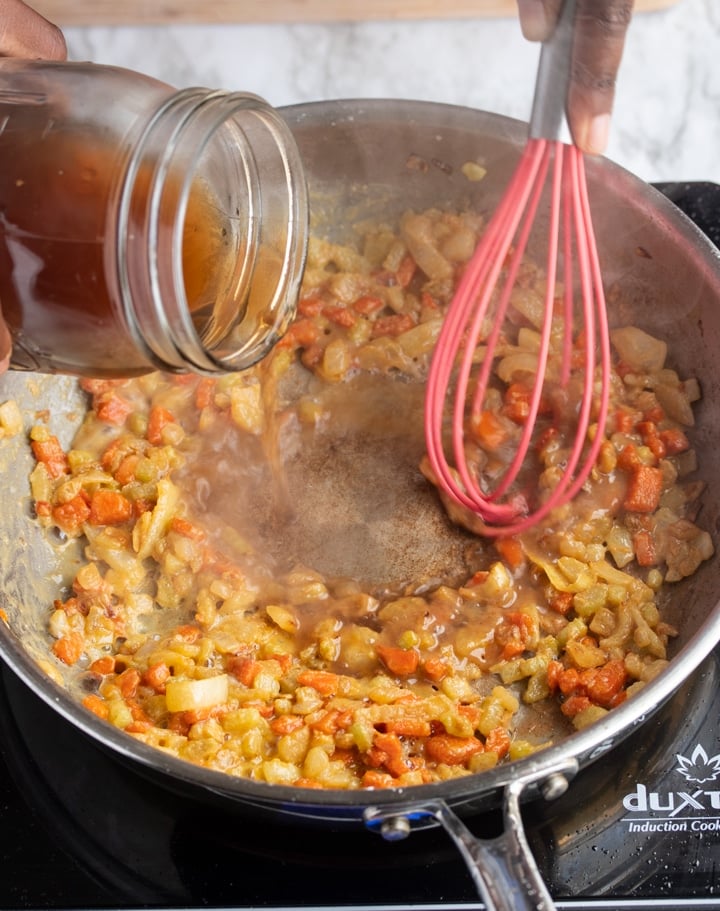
(190, 637)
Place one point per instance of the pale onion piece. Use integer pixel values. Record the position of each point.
(639, 350)
(675, 404)
(528, 339)
(283, 616)
(151, 526)
(473, 171)
(531, 304)
(11, 422)
(246, 407)
(692, 389)
(417, 232)
(420, 340)
(191, 695)
(514, 364)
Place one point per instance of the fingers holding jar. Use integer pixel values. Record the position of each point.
(25, 33)
(598, 44)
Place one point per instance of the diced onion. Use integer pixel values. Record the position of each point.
(190, 695)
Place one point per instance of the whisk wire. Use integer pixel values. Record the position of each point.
(570, 231)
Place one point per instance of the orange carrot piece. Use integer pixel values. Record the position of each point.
(325, 682)
(125, 472)
(368, 304)
(108, 507)
(71, 516)
(112, 408)
(435, 668)
(205, 393)
(675, 441)
(187, 529)
(392, 326)
(244, 669)
(498, 742)
(604, 683)
(51, 454)
(103, 666)
(156, 676)
(406, 270)
(286, 724)
(400, 661)
(573, 705)
(158, 419)
(511, 551)
(310, 306)
(488, 430)
(644, 489)
(644, 547)
(374, 778)
(302, 334)
(96, 705)
(391, 747)
(451, 750)
(409, 728)
(341, 316)
(69, 648)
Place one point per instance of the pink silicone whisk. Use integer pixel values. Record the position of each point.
(549, 156)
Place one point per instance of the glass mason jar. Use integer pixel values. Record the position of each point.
(143, 227)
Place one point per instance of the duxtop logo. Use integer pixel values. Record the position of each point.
(685, 809)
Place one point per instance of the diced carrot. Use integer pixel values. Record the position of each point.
(511, 551)
(43, 508)
(71, 516)
(128, 682)
(156, 676)
(400, 661)
(108, 507)
(435, 668)
(205, 392)
(96, 705)
(113, 454)
(187, 529)
(69, 648)
(489, 430)
(188, 632)
(513, 634)
(406, 270)
(341, 316)
(573, 705)
(394, 758)
(51, 454)
(112, 408)
(624, 420)
(452, 750)
(604, 683)
(481, 576)
(498, 742)
(125, 472)
(628, 458)
(329, 722)
(655, 414)
(374, 778)
(244, 668)
(516, 402)
(644, 489)
(409, 728)
(286, 724)
(158, 419)
(368, 304)
(392, 326)
(428, 302)
(103, 666)
(561, 602)
(310, 306)
(675, 441)
(568, 680)
(554, 669)
(325, 682)
(645, 549)
(309, 783)
(302, 334)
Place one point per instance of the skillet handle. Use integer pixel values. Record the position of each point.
(503, 868)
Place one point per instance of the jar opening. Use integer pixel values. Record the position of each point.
(214, 218)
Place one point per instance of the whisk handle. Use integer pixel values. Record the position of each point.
(548, 119)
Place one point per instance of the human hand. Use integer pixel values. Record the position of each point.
(25, 33)
(598, 42)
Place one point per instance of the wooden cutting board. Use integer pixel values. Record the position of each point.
(146, 12)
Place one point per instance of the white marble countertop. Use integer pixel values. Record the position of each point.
(667, 114)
